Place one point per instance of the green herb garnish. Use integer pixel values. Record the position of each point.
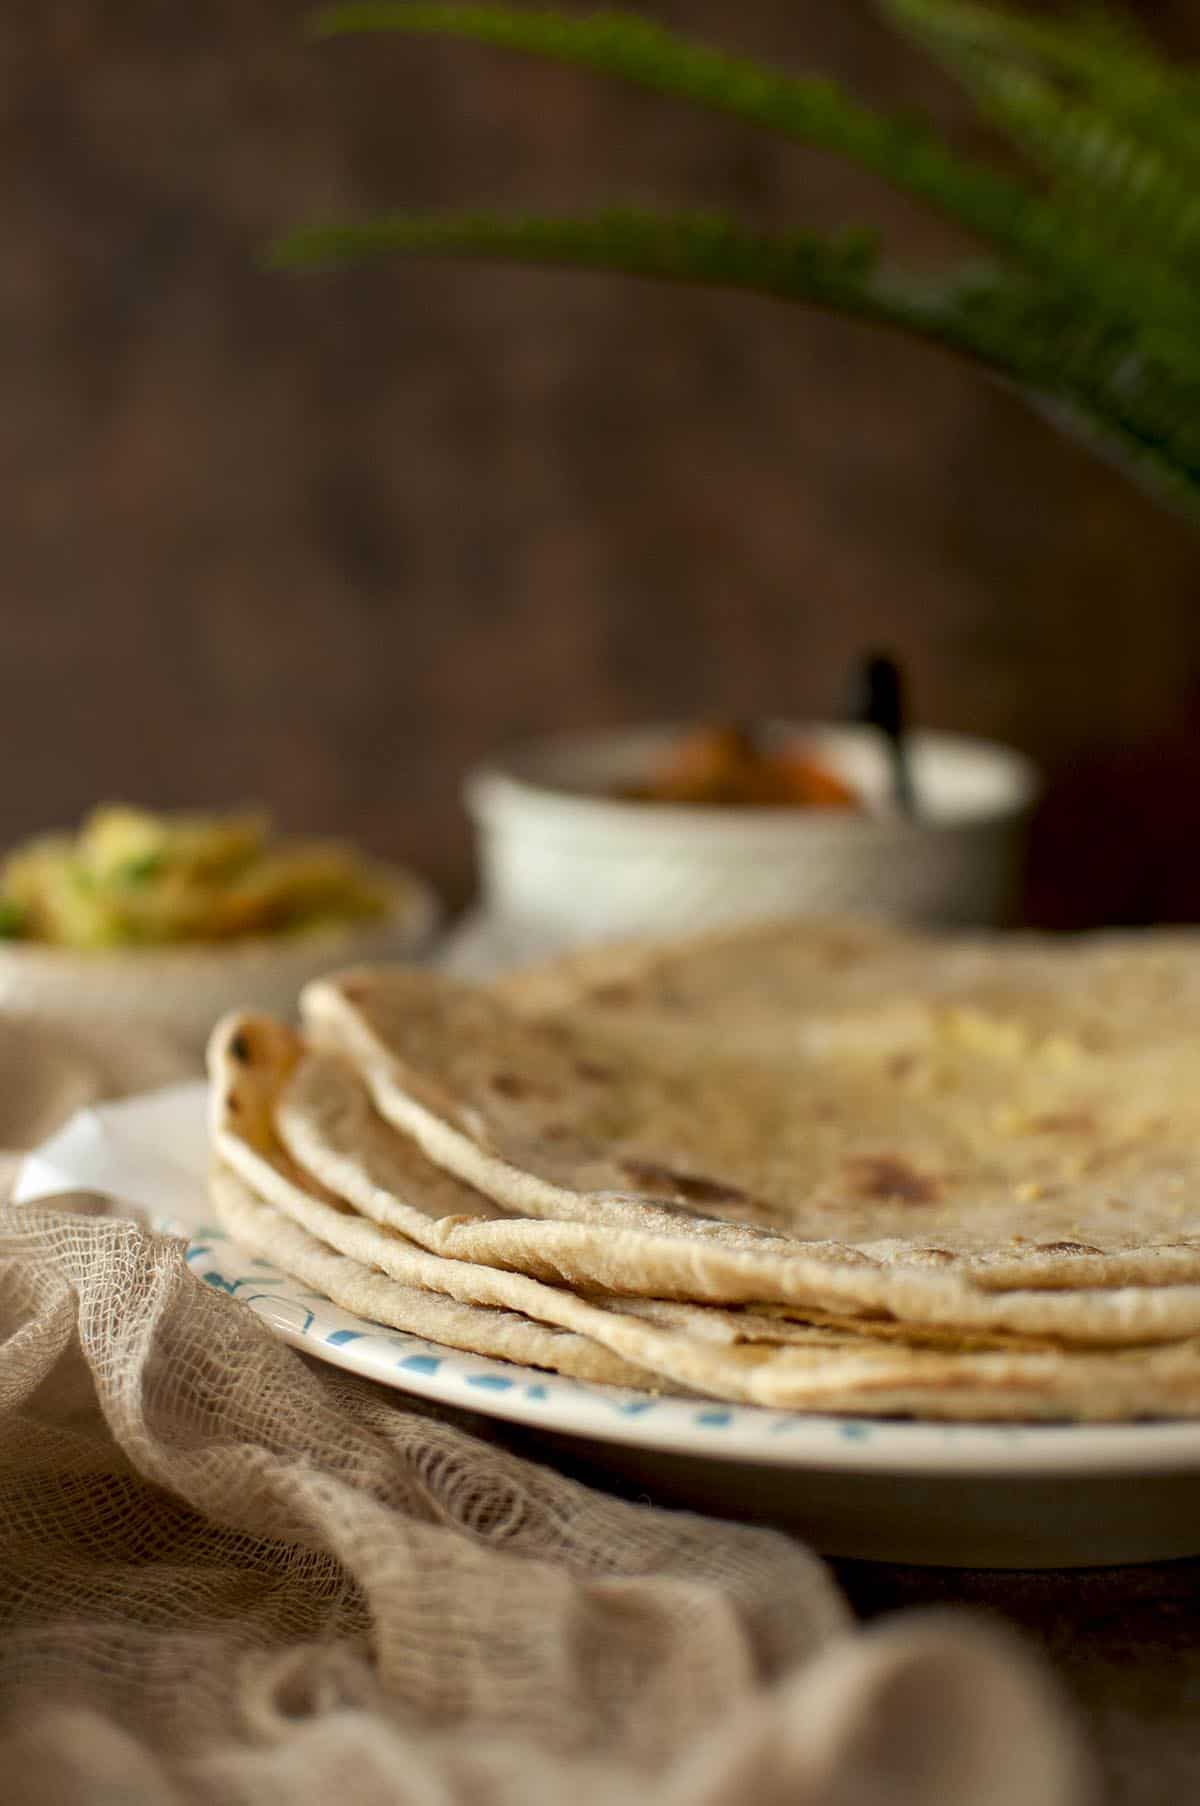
(12, 920)
(140, 869)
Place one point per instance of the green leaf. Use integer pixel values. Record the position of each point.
(140, 869)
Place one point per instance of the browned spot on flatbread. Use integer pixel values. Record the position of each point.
(901, 1064)
(593, 1072)
(1112, 1154)
(510, 1084)
(553, 1032)
(842, 953)
(1064, 1122)
(692, 1186)
(888, 1176)
(938, 1256)
(614, 996)
(1067, 1248)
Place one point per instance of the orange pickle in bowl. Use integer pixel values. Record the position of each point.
(729, 765)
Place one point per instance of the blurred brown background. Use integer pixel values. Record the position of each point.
(325, 541)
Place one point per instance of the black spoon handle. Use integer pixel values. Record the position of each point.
(878, 701)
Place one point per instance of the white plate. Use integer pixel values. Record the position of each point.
(956, 1495)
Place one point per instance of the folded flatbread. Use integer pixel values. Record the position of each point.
(962, 1121)
(323, 1117)
(277, 1209)
(477, 1329)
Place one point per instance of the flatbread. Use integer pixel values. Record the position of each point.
(731, 974)
(476, 1329)
(324, 1119)
(1053, 1101)
(766, 977)
(379, 1273)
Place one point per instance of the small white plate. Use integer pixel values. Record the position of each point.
(951, 1495)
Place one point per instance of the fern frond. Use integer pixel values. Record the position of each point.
(1093, 311)
(812, 110)
(1073, 99)
(1010, 217)
(633, 49)
(704, 248)
(1143, 202)
(1125, 195)
(1125, 397)
(1097, 57)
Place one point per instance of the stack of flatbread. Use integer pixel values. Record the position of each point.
(826, 1167)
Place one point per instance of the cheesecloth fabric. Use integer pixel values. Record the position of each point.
(229, 1574)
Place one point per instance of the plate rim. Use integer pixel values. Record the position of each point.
(713, 1429)
(685, 1427)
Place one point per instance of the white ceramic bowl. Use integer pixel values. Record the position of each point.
(564, 861)
(182, 990)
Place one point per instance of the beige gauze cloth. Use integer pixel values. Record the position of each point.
(230, 1574)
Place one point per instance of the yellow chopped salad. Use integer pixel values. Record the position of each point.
(132, 878)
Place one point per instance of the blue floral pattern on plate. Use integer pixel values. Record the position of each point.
(741, 1432)
(849, 1485)
(152, 1152)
